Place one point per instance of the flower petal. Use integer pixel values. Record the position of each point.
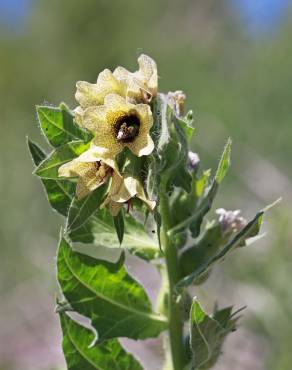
(74, 168)
(114, 103)
(94, 154)
(145, 116)
(141, 195)
(122, 74)
(78, 116)
(86, 185)
(88, 94)
(143, 145)
(148, 72)
(94, 118)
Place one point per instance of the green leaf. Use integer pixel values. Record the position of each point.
(119, 225)
(58, 126)
(207, 335)
(59, 192)
(224, 163)
(81, 354)
(104, 292)
(48, 168)
(186, 127)
(81, 209)
(206, 246)
(250, 230)
(100, 231)
(37, 154)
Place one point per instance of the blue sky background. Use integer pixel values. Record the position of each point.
(14, 13)
(259, 16)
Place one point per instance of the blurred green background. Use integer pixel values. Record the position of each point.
(233, 59)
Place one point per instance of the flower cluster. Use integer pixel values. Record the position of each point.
(116, 110)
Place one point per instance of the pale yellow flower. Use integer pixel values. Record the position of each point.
(122, 191)
(136, 87)
(118, 124)
(142, 84)
(88, 94)
(92, 171)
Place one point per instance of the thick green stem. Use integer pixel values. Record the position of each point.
(174, 310)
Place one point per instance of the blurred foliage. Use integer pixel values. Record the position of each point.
(240, 87)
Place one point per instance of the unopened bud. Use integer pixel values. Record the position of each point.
(230, 221)
(193, 161)
(177, 101)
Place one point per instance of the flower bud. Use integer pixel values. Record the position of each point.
(177, 101)
(230, 221)
(193, 161)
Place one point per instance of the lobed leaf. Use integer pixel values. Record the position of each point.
(58, 126)
(59, 192)
(207, 335)
(48, 168)
(100, 231)
(80, 354)
(104, 292)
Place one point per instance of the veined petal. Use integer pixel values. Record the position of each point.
(86, 186)
(92, 171)
(141, 195)
(93, 154)
(122, 190)
(143, 145)
(88, 94)
(74, 168)
(142, 84)
(148, 72)
(94, 118)
(122, 73)
(145, 116)
(116, 103)
(107, 145)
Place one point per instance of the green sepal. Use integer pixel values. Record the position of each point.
(82, 353)
(99, 230)
(59, 192)
(58, 126)
(119, 225)
(81, 209)
(207, 335)
(103, 291)
(48, 168)
(250, 230)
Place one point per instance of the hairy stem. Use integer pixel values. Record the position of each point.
(173, 307)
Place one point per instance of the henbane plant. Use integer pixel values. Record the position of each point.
(122, 175)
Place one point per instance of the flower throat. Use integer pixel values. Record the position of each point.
(127, 128)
